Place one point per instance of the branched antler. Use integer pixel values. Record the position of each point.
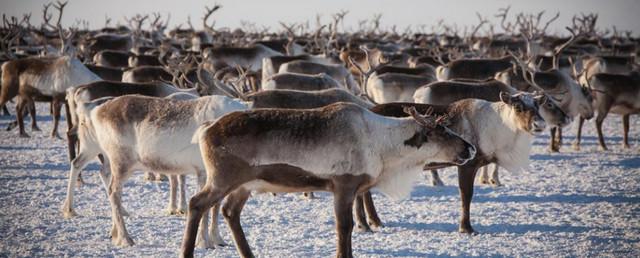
(208, 13)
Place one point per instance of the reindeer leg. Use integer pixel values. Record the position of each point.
(173, 190)
(72, 141)
(599, 119)
(5, 110)
(435, 178)
(67, 115)
(105, 173)
(484, 175)
(198, 205)
(76, 166)
(231, 212)
(361, 219)
(603, 111)
(553, 144)
(576, 143)
(32, 112)
(343, 207)
(182, 194)
(495, 178)
(214, 230)
(56, 106)
(559, 138)
(625, 131)
(372, 214)
(120, 236)
(20, 107)
(466, 176)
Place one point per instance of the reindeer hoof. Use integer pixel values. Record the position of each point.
(363, 229)
(80, 182)
(219, 242)
(24, 135)
(469, 231)
(626, 146)
(309, 195)
(35, 129)
(576, 147)
(375, 226)
(603, 148)
(125, 213)
(206, 244)
(123, 242)
(68, 213)
(11, 125)
(56, 136)
(177, 212)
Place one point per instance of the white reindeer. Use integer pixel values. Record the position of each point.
(144, 133)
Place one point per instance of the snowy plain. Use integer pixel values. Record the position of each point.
(570, 204)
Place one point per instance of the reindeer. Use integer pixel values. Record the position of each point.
(162, 129)
(106, 73)
(141, 59)
(445, 93)
(501, 131)
(572, 98)
(103, 42)
(476, 69)
(145, 73)
(248, 57)
(388, 87)
(337, 72)
(112, 58)
(44, 78)
(615, 93)
(235, 167)
(604, 64)
(271, 65)
(78, 96)
(304, 82)
(423, 70)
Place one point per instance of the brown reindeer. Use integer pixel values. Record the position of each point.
(261, 150)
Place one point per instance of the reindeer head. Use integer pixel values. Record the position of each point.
(525, 112)
(451, 148)
(550, 111)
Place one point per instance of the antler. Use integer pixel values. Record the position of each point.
(365, 75)
(425, 120)
(13, 32)
(46, 16)
(436, 54)
(559, 49)
(208, 14)
(526, 72)
(291, 34)
(480, 24)
(502, 13)
(136, 22)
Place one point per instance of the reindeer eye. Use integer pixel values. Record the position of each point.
(518, 107)
(548, 105)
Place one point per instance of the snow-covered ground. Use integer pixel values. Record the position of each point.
(581, 204)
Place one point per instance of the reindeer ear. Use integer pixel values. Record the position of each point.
(505, 97)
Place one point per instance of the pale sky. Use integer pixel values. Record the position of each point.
(625, 14)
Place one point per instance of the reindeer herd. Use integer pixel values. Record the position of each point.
(249, 110)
